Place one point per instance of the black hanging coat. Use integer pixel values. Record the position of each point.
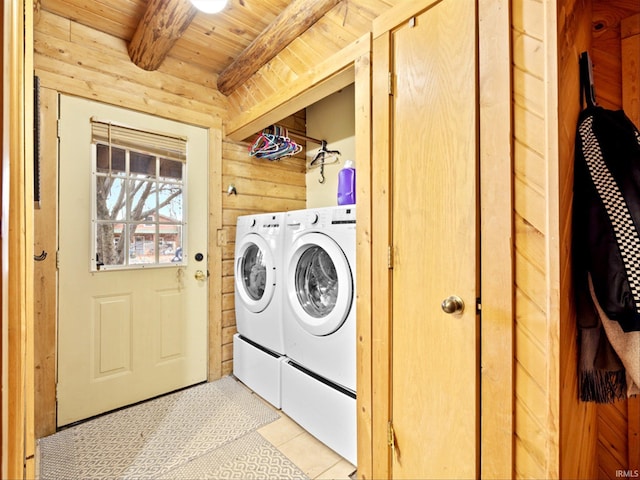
(606, 215)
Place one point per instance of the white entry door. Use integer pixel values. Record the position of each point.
(132, 257)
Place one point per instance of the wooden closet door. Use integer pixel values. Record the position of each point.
(434, 230)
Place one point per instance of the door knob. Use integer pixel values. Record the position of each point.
(452, 304)
(200, 275)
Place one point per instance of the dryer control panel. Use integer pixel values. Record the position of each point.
(344, 215)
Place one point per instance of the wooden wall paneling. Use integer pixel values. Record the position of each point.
(529, 202)
(630, 51)
(307, 53)
(496, 168)
(350, 20)
(578, 427)
(28, 225)
(4, 438)
(534, 435)
(84, 65)
(528, 450)
(257, 189)
(612, 438)
(290, 64)
(606, 48)
(216, 244)
(554, 241)
(618, 435)
(633, 433)
(381, 274)
(105, 13)
(630, 45)
(364, 225)
(45, 272)
(17, 219)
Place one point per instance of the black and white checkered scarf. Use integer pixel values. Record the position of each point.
(606, 244)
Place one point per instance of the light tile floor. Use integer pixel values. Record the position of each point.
(311, 456)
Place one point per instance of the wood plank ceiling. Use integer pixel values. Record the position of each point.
(232, 44)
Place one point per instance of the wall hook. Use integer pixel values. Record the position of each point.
(41, 257)
(231, 189)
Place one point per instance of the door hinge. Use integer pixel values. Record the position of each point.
(57, 259)
(58, 128)
(391, 439)
(478, 306)
(390, 83)
(390, 257)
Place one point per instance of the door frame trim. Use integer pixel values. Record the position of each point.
(496, 234)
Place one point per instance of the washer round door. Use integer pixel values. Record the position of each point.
(255, 275)
(319, 284)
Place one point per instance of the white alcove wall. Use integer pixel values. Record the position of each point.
(331, 119)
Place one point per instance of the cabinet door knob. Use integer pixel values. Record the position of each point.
(452, 305)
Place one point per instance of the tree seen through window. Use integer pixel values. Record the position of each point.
(139, 217)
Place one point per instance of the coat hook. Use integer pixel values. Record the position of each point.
(41, 257)
(231, 189)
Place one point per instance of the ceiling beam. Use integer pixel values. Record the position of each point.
(162, 25)
(292, 22)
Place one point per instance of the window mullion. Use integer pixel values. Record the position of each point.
(128, 180)
(157, 215)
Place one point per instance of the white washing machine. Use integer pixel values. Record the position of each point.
(319, 375)
(319, 308)
(259, 283)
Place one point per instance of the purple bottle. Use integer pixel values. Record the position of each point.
(347, 184)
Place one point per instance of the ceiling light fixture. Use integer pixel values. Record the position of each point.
(209, 6)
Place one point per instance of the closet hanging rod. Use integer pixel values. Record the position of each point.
(303, 136)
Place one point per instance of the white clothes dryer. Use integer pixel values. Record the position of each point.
(258, 346)
(319, 307)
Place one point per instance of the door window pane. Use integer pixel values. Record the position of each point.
(110, 198)
(109, 250)
(143, 164)
(170, 169)
(138, 216)
(114, 165)
(144, 200)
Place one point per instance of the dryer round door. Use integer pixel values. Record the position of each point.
(255, 275)
(319, 284)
